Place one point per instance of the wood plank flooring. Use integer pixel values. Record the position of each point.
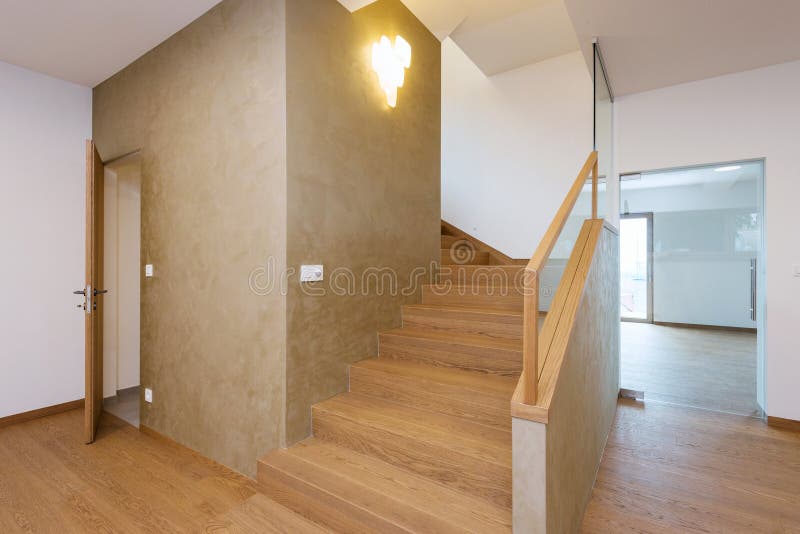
(666, 469)
(711, 369)
(677, 469)
(125, 482)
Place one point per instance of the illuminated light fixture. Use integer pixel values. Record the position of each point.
(390, 62)
(728, 168)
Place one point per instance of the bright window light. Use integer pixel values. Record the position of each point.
(728, 168)
(390, 62)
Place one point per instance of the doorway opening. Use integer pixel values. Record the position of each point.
(121, 312)
(636, 267)
(691, 263)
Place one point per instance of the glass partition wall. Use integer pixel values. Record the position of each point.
(602, 141)
(691, 271)
(603, 127)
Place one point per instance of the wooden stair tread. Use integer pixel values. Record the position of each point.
(494, 313)
(457, 338)
(260, 514)
(474, 256)
(474, 396)
(467, 288)
(499, 386)
(473, 296)
(493, 322)
(479, 441)
(496, 274)
(399, 497)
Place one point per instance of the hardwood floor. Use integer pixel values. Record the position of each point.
(712, 369)
(124, 405)
(665, 469)
(125, 482)
(677, 469)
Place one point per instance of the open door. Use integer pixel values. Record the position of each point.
(93, 296)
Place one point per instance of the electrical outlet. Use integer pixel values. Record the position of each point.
(148, 395)
(311, 273)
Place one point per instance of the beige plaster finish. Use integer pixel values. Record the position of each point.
(585, 400)
(207, 109)
(529, 472)
(363, 186)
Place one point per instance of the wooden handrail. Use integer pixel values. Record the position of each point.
(529, 380)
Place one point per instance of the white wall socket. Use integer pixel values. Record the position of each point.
(148, 270)
(311, 273)
(148, 395)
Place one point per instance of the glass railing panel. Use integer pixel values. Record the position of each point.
(603, 126)
(553, 270)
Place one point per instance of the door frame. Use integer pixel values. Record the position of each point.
(649, 217)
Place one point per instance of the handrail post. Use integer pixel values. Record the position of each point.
(530, 341)
(595, 171)
(528, 385)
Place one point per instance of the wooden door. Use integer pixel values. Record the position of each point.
(93, 303)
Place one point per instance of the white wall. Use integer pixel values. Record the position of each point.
(129, 275)
(512, 144)
(698, 276)
(44, 123)
(747, 115)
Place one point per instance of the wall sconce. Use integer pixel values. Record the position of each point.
(390, 61)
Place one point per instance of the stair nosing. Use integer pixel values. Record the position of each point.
(466, 437)
(496, 379)
(410, 474)
(318, 487)
(457, 338)
(467, 309)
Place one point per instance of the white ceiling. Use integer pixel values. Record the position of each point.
(706, 176)
(649, 44)
(540, 31)
(87, 41)
(498, 35)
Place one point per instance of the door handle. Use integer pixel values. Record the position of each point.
(100, 292)
(81, 292)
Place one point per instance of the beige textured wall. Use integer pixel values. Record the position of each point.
(585, 400)
(207, 110)
(363, 184)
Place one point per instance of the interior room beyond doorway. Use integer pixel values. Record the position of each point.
(122, 263)
(691, 267)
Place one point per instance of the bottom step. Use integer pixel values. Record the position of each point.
(352, 492)
(261, 515)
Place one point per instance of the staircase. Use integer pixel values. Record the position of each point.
(421, 442)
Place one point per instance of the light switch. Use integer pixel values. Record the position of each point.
(796, 270)
(311, 273)
(148, 395)
(148, 270)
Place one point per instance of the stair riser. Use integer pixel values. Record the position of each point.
(464, 257)
(317, 505)
(449, 467)
(468, 404)
(487, 360)
(473, 296)
(448, 240)
(500, 326)
(482, 275)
